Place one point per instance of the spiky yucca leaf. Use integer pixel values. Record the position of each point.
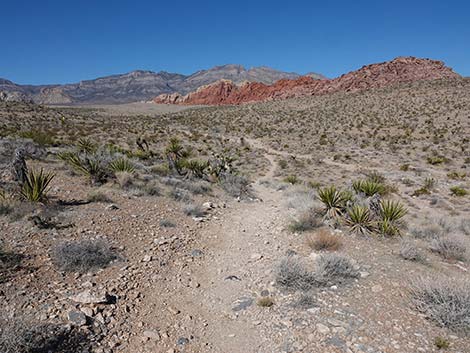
(392, 211)
(86, 145)
(196, 168)
(368, 187)
(359, 220)
(333, 200)
(35, 187)
(122, 165)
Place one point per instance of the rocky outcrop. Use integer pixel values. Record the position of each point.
(399, 70)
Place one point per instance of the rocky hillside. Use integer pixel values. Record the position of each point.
(399, 70)
(136, 85)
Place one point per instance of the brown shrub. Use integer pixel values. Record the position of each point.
(323, 239)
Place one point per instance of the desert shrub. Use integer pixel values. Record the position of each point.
(24, 337)
(450, 247)
(197, 188)
(283, 164)
(166, 223)
(306, 221)
(122, 165)
(265, 302)
(161, 170)
(431, 231)
(409, 251)
(435, 160)
(441, 343)
(331, 267)
(465, 226)
(235, 185)
(291, 179)
(428, 186)
(124, 179)
(443, 300)
(305, 301)
(5, 208)
(301, 199)
(458, 191)
(293, 274)
(152, 189)
(98, 196)
(359, 220)
(333, 200)
(36, 185)
(323, 239)
(82, 255)
(194, 210)
(42, 138)
(178, 194)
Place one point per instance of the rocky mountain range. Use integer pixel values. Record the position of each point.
(137, 85)
(399, 70)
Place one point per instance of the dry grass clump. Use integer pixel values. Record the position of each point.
(307, 220)
(82, 255)
(293, 274)
(21, 337)
(331, 267)
(324, 239)
(444, 300)
(265, 302)
(166, 223)
(98, 196)
(409, 251)
(124, 179)
(451, 247)
(194, 210)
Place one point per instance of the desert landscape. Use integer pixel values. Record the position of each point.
(300, 214)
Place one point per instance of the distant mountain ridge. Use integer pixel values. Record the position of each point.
(139, 85)
(399, 70)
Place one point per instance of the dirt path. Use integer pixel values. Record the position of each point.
(235, 270)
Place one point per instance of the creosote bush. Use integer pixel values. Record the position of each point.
(450, 247)
(444, 300)
(82, 255)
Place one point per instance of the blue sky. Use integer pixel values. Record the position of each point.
(51, 41)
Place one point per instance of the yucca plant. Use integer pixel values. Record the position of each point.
(391, 215)
(333, 200)
(394, 211)
(387, 228)
(368, 187)
(122, 165)
(36, 185)
(359, 220)
(87, 146)
(195, 168)
(90, 167)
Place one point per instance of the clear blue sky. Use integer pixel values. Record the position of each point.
(52, 41)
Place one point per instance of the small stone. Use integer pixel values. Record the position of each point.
(89, 297)
(147, 258)
(323, 329)
(256, 257)
(77, 318)
(182, 341)
(112, 207)
(152, 335)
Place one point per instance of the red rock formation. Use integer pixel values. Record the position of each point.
(399, 70)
